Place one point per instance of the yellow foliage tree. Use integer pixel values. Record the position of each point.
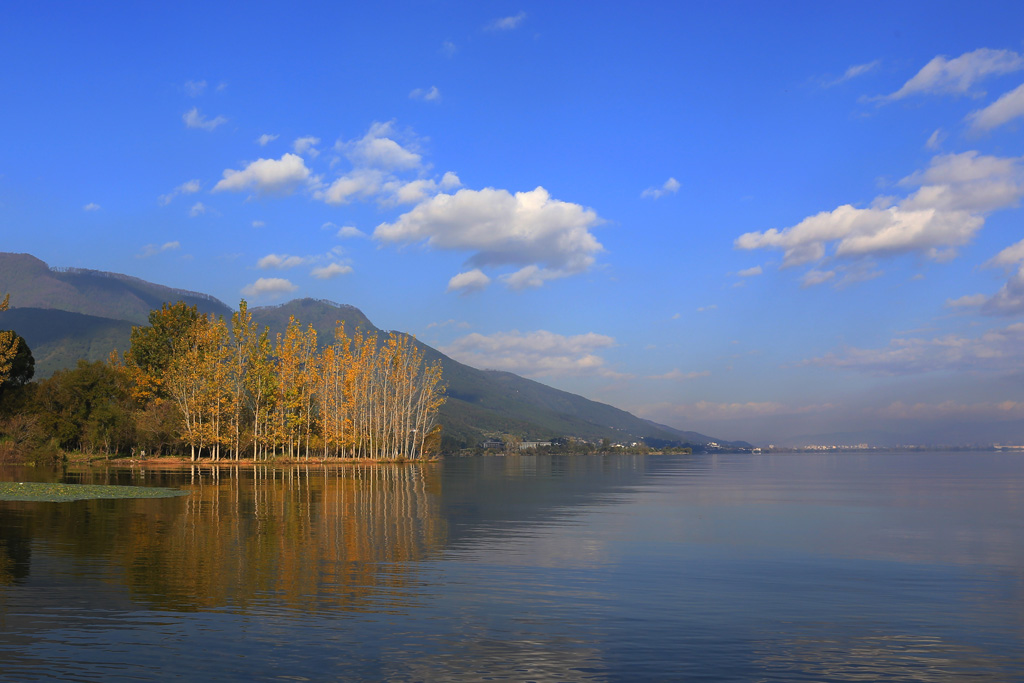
(8, 346)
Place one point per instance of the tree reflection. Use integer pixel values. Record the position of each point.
(309, 537)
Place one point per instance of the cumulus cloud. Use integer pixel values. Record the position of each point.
(189, 187)
(998, 350)
(198, 209)
(154, 249)
(468, 282)
(359, 183)
(854, 71)
(193, 119)
(266, 138)
(431, 94)
(266, 176)
(91, 206)
(194, 88)
(331, 270)
(953, 197)
(379, 149)
(957, 76)
(346, 231)
(280, 261)
(750, 272)
(307, 145)
(507, 23)
(269, 287)
(539, 354)
(670, 186)
(1008, 107)
(546, 237)
(415, 191)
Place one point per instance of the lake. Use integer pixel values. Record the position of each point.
(786, 567)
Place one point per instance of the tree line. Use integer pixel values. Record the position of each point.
(225, 389)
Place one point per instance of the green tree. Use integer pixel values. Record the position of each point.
(154, 346)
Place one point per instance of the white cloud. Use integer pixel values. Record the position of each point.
(680, 376)
(468, 282)
(968, 301)
(193, 119)
(346, 231)
(91, 206)
(944, 213)
(448, 49)
(1008, 107)
(280, 261)
(670, 186)
(750, 272)
(705, 309)
(525, 229)
(194, 88)
(816, 277)
(856, 70)
(266, 138)
(378, 149)
(258, 224)
(427, 95)
(532, 277)
(998, 350)
(154, 249)
(197, 209)
(307, 145)
(957, 76)
(415, 191)
(539, 353)
(331, 270)
(935, 140)
(359, 183)
(269, 286)
(507, 23)
(1009, 300)
(267, 176)
(189, 187)
(1010, 256)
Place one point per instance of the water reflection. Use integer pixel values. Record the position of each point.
(306, 536)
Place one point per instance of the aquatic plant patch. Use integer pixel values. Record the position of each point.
(58, 493)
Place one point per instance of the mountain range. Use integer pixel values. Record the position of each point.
(68, 314)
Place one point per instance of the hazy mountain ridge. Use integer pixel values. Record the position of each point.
(69, 314)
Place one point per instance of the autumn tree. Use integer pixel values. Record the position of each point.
(8, 346)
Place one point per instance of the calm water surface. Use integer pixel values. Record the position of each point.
(853, 567)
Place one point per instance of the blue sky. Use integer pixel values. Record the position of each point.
(745, 219)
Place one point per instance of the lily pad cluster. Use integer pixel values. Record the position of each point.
(58, 493)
